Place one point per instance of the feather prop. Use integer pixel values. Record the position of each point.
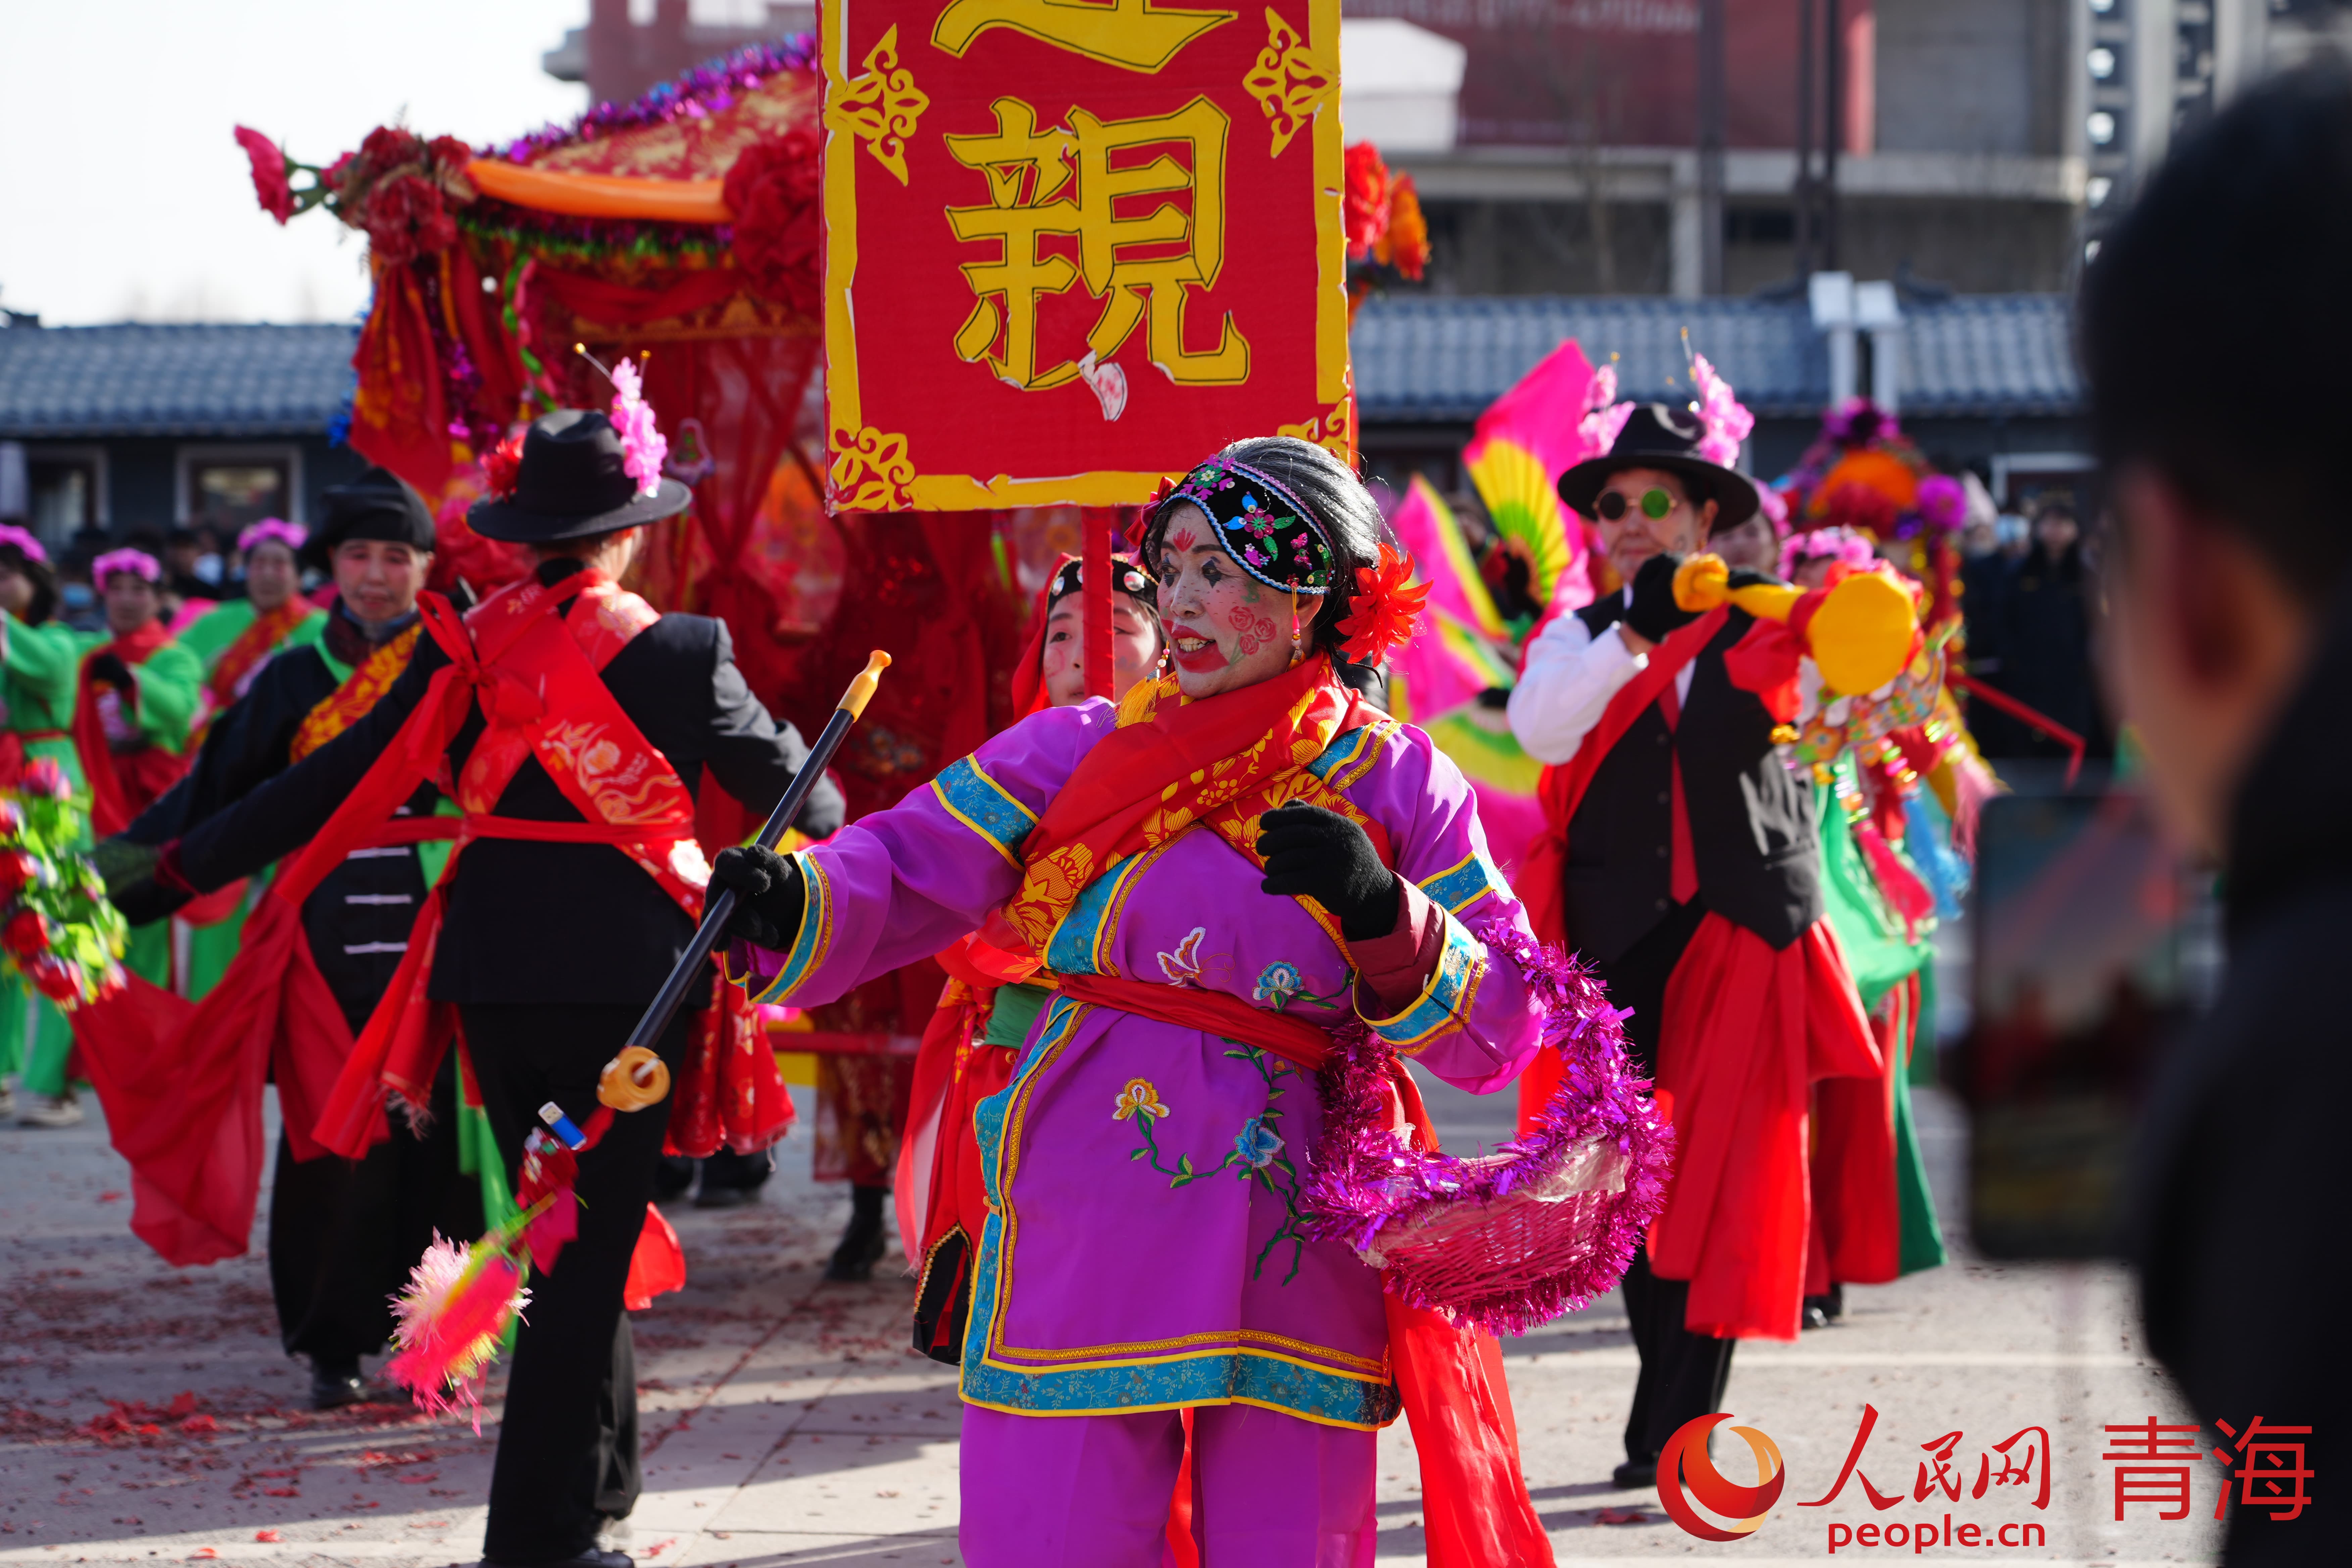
(454, 1314)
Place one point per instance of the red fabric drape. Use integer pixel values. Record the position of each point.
(1746, 1031)
(1859, 1213)
(120, 785)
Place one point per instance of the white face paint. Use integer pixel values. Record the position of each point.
(1225, 629)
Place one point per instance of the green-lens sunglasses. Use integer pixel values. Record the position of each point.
(1655, 504)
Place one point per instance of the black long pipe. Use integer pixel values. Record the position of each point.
(720, 903)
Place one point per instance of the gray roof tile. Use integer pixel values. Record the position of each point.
(59, 382)
(1444, 359)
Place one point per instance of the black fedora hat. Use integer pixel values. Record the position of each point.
(379, 504)
(572, 483)
(1658, 436)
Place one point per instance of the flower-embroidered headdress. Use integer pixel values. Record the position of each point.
(290, 535)
(138, 563)
(1273, 537)
(26, 546)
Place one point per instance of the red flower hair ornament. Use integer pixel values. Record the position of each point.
(1385, 612)
(503, 465)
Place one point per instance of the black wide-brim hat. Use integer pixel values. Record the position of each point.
(571, 484)
(379, 504)
(1659, 436)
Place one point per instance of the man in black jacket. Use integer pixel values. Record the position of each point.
(551, 950)
(1686, 834)
(2230, 637)
(342, 1233)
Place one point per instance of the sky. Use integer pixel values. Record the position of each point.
(123, 195)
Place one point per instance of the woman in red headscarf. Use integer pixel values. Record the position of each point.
(992, 995)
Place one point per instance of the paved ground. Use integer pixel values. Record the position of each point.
(145, 1413)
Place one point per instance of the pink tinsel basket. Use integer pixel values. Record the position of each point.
(1541, 1225)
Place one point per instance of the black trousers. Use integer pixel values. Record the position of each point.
(344, 1233)
(568, 1445)
(1683, 1373)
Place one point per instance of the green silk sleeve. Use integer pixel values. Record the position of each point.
(169, 684)
(41, 665)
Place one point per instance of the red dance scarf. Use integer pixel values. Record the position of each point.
(121, 787)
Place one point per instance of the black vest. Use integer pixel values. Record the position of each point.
(1751, 819)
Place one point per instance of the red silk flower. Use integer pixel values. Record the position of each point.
(1387, 611)
(773, 188)
(503, 465)
(1364, 199)
(271, 186)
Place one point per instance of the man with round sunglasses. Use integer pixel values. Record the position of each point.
(1689, 878)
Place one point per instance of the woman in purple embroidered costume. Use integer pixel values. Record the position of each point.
(1240, 856)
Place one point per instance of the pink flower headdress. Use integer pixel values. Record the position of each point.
(290, 535)
(26, 546)
(645, 447)
(1727, 418)
(138, 563)
(1846, 545)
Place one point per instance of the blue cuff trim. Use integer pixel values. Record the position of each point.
(981, 803)
(1446, 1002)
(1455, 890)
(816, 936)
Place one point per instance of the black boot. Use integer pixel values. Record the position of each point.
(862, 1244)
(335, 1383)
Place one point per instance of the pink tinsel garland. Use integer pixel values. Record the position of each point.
(1365, 1184)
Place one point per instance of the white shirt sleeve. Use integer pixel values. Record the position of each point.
(1570, 677)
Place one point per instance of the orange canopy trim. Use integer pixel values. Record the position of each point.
(602, 195)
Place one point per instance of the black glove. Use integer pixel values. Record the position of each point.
(768, 894)
(122, 863)
(1741, 577)
(1313, 853)
(147, 901)
(108, 670)
(1653, 612)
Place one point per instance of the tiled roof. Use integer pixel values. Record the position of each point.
(1437, 359)
(1990, 353)
(58, 382)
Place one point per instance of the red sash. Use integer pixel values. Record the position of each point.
(541, 693)
(1561, 791)
(260, 637)
(121, 787)
(1562, 788)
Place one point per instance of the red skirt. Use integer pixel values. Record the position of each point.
(1746, 1032)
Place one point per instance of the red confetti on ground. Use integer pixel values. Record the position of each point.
(112, 1197)
(280, 1491)
(1624, 1516)
(202, 1552)
(136, 1418)
(266, 1535)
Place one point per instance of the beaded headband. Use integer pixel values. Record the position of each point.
(1126, 576)
(290, 535)
(1260, 524)
(138, 563)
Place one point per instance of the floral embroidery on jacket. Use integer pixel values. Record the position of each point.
(1182, 967)
(1139, 1099)
(1256, 1153)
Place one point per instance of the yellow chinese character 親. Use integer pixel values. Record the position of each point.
(1089, 181)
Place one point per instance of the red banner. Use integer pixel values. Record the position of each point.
(1074, 247)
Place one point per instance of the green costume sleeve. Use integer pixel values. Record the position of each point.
(40, 669)
(209, 635)
(169, 684)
